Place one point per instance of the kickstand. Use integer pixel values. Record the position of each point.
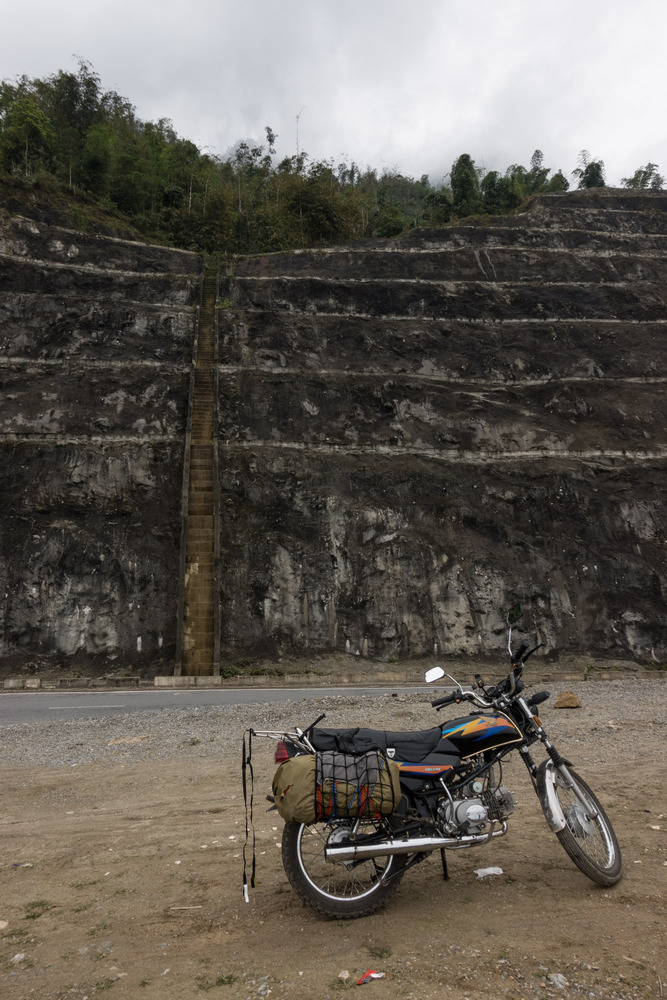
(445, 873)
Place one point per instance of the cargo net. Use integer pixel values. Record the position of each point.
(355, 787)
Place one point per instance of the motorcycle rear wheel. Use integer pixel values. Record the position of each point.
(338, 890)
(588, 836)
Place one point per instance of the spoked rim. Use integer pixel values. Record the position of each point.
(339, 880)
(587, 825)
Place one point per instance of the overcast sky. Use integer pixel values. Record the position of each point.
(395, 84)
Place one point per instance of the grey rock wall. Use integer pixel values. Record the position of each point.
(96, 346)
(416, 433)
(89, 550)
(392, 556)
(412, 434)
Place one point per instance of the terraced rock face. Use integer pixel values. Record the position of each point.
(96, 346)
(397, 440)
(415, 433)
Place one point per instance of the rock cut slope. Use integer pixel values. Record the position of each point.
(402, 437)
(414, 433)
(96, 347)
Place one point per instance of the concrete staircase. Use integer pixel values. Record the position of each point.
(199, 615)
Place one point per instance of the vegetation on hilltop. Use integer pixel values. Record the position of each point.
(65, 133)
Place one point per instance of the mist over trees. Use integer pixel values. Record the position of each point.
(66, 129)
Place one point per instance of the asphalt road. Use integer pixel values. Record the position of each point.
(18, 707)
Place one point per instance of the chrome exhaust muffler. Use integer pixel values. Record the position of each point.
(408, 845)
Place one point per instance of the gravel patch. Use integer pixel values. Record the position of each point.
(611, 712)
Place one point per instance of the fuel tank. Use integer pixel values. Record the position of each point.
(476, 733)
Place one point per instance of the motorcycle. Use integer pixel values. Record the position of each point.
(452, 796)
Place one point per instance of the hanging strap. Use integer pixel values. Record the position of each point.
(247, 773)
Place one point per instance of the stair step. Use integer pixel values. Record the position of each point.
(200, 597)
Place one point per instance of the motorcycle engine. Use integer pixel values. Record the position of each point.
(474, 809)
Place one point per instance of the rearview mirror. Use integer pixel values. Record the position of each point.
(514, 613)
(434, 674)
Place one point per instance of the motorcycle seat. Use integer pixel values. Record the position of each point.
(406, 746)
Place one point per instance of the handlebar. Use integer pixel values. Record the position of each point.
(487, 698)
(537, 698)
(449, 699)
(458, 696)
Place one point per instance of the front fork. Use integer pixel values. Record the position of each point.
(543, 776)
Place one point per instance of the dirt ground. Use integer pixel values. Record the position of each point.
(127, 878)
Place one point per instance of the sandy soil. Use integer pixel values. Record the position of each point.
(126, 878)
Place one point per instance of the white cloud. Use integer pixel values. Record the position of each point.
(406, 84)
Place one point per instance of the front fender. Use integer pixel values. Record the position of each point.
(545, 785)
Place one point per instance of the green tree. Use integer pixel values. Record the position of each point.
(95, 161)
(26, 139)
(590, 173)
(466, 197)
(72, 102)
(438, 206)
(645, 177)
(503, 194)
(558, 182)
(536, 178)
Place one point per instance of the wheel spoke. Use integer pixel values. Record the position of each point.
(588, 831)
(588, 836)
(337, 880)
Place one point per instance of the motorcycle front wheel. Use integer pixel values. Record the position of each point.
(588, 836)
(342, 889)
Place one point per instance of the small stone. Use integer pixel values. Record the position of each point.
(344, 976)
(558, 979)
(567, 699)
(17, 958)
